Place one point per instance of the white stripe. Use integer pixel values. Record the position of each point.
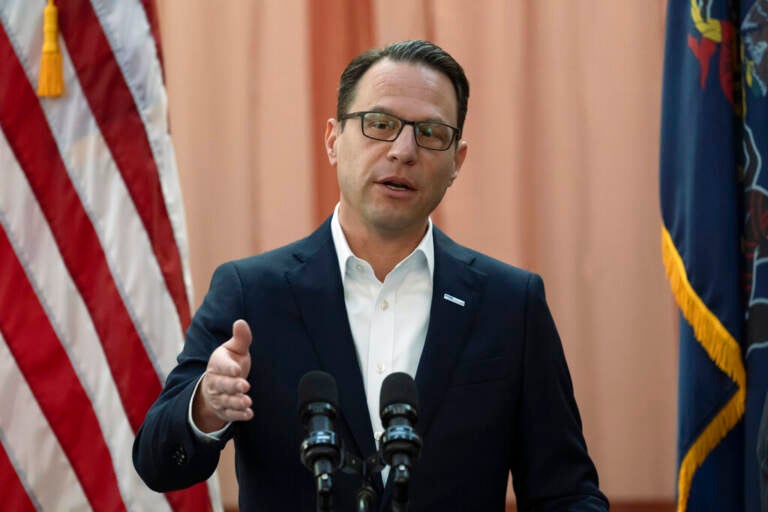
(38, 253)
(32, 446)
(106, 200)
(129, 34)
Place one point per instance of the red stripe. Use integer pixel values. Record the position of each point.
(193, 499)
(116, 114)
(54, 383)
(14, 494)
(30, 138)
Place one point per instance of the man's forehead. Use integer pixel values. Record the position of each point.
(389, 80)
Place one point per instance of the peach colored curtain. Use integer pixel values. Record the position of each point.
(561, 175)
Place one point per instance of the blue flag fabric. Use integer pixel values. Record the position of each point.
(714, 202)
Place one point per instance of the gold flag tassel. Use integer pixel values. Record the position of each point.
(51, 80)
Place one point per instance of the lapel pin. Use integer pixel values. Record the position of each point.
(451, 298)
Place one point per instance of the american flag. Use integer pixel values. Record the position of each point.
(94, 278)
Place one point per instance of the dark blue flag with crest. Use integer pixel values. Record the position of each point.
(714, 201)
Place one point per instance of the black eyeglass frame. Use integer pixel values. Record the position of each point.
(403, 123)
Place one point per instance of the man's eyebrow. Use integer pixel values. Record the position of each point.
(384, 110)
(381, 110)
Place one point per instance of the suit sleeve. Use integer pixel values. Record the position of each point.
(553, 470)
(166, 452)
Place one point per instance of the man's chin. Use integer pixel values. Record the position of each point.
(396, 226)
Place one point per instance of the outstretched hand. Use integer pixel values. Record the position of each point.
(222, 394)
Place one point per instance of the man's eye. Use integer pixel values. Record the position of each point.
(433, 131)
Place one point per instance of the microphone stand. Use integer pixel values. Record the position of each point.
(400, 478)
(324, 486)
(366, 496)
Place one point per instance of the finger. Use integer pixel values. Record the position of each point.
(236, 415)
(241, 338)
(231, 402)
(217, 384)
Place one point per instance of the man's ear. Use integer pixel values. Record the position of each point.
(458, 159)
(331, 139)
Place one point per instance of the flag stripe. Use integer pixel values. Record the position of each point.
(36, 249)
(191, 499)
(28, 134)
(14, 494)
(42, 466)
(55, 384)
(105, 87)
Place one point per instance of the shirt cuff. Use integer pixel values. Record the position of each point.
(202, 436)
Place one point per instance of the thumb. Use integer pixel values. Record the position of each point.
(241, 338)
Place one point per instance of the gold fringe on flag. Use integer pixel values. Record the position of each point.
(724, 351)
(51, 79)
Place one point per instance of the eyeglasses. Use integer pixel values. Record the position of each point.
(386, 127)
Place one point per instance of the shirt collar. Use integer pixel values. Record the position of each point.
(343, 252)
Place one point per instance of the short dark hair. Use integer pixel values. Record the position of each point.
(414, 52)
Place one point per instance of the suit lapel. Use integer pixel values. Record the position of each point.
(316, 284)
(455, 298)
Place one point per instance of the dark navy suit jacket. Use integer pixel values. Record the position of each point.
(494, 389)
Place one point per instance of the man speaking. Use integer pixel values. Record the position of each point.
(378, 289)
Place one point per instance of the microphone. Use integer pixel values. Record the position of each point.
(320, 450)
(400, 444)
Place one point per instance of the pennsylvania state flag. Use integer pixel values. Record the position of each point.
(714, 200)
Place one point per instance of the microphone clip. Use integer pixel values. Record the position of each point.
(321, 449)
(399, 437)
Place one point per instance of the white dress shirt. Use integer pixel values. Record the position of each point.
(388, 320)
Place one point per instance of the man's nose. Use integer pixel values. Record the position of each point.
(404, 147)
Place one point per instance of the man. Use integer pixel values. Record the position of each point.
(377, 289)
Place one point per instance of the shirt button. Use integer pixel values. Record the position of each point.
(359, 267)
(384, 305)
(380, 367)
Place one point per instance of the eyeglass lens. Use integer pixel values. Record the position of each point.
(377, 125)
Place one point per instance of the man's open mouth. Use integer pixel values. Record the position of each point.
(396, 185)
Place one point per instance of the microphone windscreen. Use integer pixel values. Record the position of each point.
(398, 388)
(318, 386)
